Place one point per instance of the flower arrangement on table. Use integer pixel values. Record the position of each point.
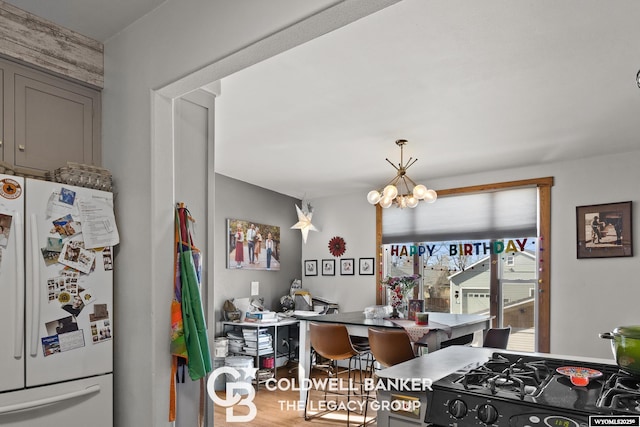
(400, 287)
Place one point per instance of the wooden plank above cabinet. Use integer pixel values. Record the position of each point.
(44, 44)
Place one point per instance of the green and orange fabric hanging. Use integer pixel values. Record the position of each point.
(189, 340)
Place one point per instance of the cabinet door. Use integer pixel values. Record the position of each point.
(55, 122)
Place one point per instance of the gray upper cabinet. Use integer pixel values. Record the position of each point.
(48, 121)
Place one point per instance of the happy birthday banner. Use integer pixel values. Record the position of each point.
(461, 249)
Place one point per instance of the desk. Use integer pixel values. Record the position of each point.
(458, 325)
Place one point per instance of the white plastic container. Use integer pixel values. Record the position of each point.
(221, 347)
(239, 362)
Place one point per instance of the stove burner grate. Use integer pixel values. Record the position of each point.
(621, 393)
(521, 377)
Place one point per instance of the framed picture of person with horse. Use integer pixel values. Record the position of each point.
(604, 230)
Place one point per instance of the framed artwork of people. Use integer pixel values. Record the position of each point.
(252, 245)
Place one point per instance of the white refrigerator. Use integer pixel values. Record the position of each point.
(56, 304)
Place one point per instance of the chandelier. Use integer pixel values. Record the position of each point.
(402, 190)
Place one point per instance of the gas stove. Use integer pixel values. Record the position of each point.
(529, 390)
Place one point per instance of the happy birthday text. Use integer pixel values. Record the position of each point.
(470, 248)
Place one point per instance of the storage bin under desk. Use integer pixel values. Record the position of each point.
(274, 328)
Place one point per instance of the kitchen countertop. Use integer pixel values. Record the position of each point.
(436, 365)
(358, 318)
(349, 318)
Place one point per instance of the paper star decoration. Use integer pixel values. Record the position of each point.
(304, 223)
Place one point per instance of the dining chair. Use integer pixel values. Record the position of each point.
(390, 346)
(497, 337)
(332, 342)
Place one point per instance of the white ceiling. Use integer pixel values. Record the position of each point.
(473, 86)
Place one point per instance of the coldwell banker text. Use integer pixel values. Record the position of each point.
(470, 248)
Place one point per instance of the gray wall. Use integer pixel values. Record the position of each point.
(237, 199)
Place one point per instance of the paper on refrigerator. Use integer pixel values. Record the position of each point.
(98, 222)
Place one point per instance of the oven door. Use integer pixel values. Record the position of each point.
(401, 409)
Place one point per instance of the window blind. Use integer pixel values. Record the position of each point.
(491, 215)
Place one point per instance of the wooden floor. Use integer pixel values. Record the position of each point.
(279, 408)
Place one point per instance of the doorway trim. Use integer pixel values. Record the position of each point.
(162, 173)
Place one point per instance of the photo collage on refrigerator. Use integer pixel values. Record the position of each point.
(76, 244)
(79, 244)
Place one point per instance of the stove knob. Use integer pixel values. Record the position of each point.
(457, 408)
(488, 414)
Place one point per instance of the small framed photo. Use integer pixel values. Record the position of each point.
(346, 267)
(328, 267)
(604, 230)
(311, 267)
(366, 267)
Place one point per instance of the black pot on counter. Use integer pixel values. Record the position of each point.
(625, 345)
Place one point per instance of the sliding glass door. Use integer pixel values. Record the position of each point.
(477, 277)
(478, 250)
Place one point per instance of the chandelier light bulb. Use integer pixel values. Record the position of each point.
(385, 202)
(412, 201)
(431, 196)
(390, 191)
(419, 191)
(402, 202)
(373, 197)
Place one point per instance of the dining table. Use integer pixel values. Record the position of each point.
(440, 328)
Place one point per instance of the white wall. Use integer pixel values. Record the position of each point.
(194, 134)
(354, 219)
(588, 296)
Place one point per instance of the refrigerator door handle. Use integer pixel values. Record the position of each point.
(18, 342)
(35, 287)
(49, 400)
